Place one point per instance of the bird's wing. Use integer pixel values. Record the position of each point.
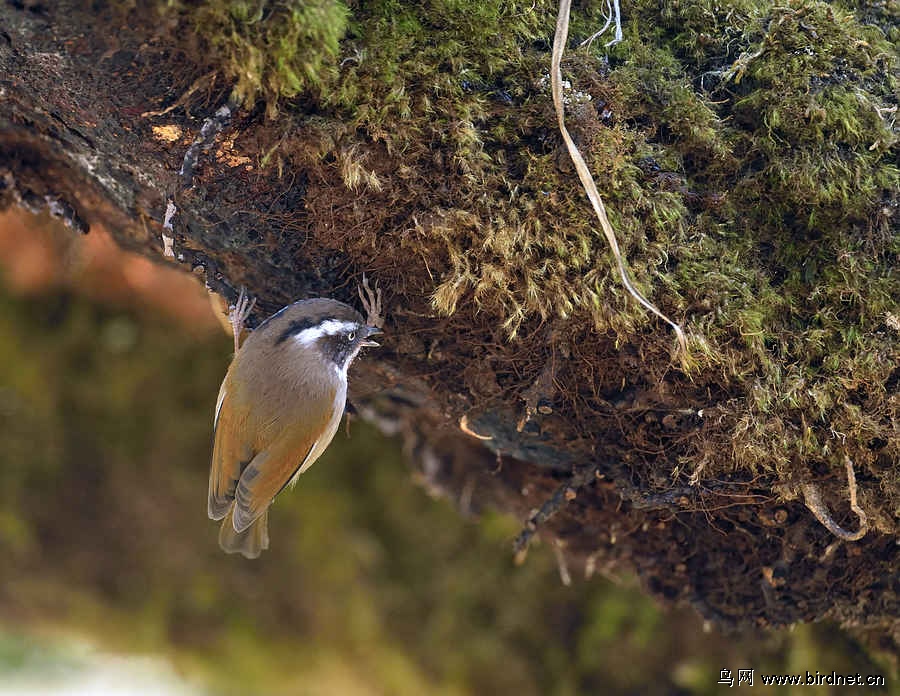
(231, 454)
(293, 451)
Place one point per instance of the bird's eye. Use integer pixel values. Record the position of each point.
(351, 336)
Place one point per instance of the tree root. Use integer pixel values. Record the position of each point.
(813, 499)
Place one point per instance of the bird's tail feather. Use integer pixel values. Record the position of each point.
(249, 543)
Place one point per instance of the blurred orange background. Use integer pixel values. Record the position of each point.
(38, 253)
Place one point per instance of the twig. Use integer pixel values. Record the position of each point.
(587, 181)
(540, 391)
(168, 239)
(813, 499)
(183, 99)
(562, 495)
(211, 127)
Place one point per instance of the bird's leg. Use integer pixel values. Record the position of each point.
(237, 315)
(371, 303)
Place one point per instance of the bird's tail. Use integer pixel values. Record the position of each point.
(249, 543)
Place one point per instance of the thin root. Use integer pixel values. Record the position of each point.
(464, 426)
(183, 99)
(813, 499)
(613, 14)
(587, 179)
(562, 495)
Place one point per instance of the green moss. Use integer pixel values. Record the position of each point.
(272, 50)
(793, 136)
(746, 152)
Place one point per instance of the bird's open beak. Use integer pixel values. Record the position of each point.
(370, 331)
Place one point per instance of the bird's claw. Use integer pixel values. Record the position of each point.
(371, 301)
(238, 314)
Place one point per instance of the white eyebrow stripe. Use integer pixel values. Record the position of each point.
(329, 327)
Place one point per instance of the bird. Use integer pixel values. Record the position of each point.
(279, 407)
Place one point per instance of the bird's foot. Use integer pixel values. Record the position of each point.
(237, 315)
(372, 303)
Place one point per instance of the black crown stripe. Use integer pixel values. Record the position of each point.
(296, 327)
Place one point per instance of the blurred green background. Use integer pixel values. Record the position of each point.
(107, 386)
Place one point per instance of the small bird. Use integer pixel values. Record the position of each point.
(279, 407)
